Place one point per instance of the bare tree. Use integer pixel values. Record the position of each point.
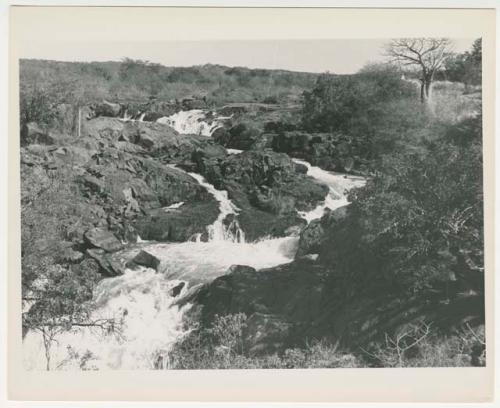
(428, 54)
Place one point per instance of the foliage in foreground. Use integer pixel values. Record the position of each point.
(221, 346)
(418, 224)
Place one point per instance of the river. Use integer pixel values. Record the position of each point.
(152, 320)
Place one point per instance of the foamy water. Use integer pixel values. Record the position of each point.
(142, 300)
(192, 122)
(234, 151)
(338, 185)
(150, 324)
(218, 231)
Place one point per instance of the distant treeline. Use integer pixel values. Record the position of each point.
(136, 79)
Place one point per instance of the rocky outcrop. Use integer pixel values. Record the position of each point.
(285, 301)
(315, 234)
(110, 186)
(177, 224)
(151, 138)
(330, 151)
(241, 136)
(105, 108)
(267, 187)
(144, 258)
(100, 238)
(109, 267)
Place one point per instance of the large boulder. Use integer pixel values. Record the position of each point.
(144, 258)
(179, 224)
(105, 108)
(109, 267)
(314, 237)
(101, 238)
(267, 187)
(311, 238)
(240, 136)
(33, 133)
(282, 303)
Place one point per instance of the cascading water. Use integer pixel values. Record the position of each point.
(192, 122)
(218, 231)
(338, 184)
(143, 300)
(234, 151)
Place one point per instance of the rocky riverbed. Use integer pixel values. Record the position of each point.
(165, 195)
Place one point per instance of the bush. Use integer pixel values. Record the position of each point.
(418, 224)
(376, 109)
(417, 346)
(222, 346)
(336, 102)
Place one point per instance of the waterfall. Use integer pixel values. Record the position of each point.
(338, 185)
(218, 231)
(193, 122)
(143, 301)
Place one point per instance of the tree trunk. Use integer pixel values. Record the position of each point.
(423, 96)
(428, 89)
(46, 344)
(426, 86)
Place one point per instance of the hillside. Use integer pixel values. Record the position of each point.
(86, 82)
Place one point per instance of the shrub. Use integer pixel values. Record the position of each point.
(418, 223)
(221, 346)
(417, 346)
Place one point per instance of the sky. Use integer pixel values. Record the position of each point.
(340, 56)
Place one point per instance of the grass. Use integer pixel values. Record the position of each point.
(451, 102)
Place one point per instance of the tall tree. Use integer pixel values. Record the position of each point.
(428, 54)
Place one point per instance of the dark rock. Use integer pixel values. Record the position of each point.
(282, 303)
(241, 136)
(267, 188)
(177, 225)
(264, 141)
(176, 290)
(207, 153)
(105, 108)
(330, 151)
(104, 239)
(311, 238)
(144, 258)
(315, 235)
(32, 133)
(109, 266)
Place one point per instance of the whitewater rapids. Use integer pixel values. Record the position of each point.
(338, 187)
(143, 300)
(193, 122)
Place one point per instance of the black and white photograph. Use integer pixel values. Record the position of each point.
(261, 204)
